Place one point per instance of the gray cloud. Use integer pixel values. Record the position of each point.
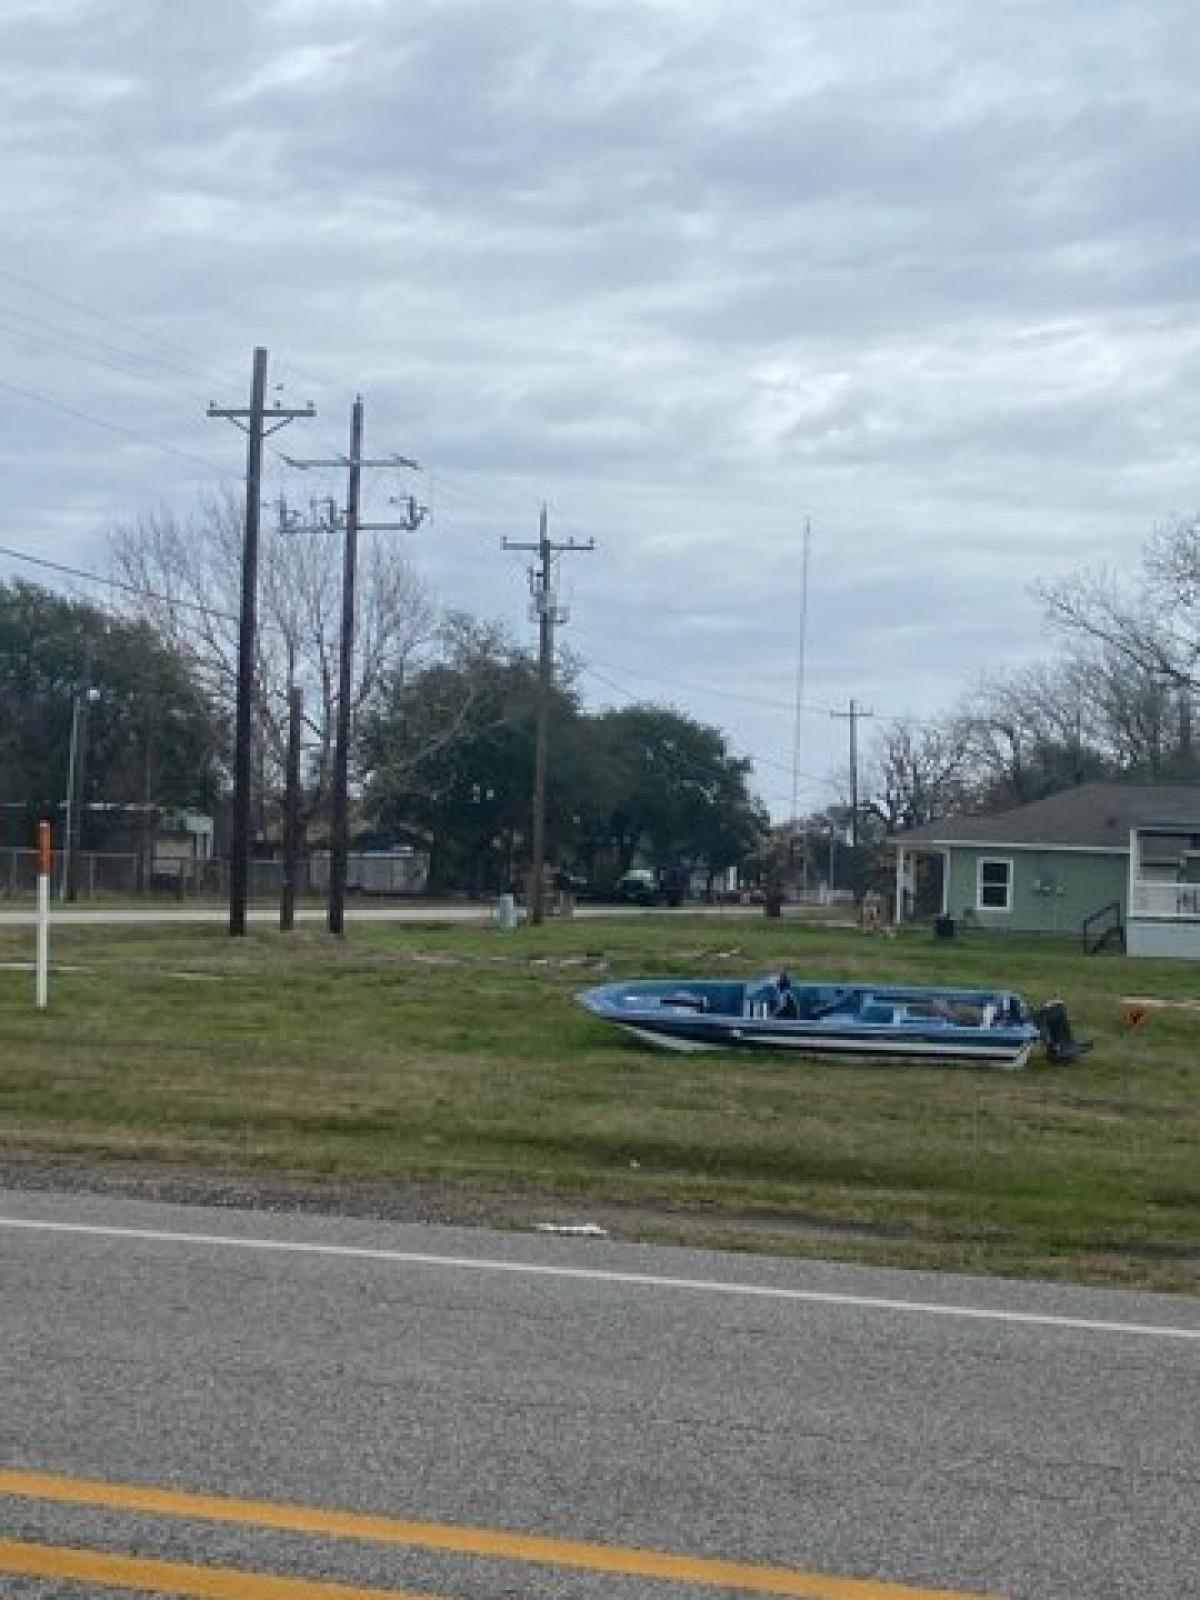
(690, 271)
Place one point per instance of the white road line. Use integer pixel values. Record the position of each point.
(641, 1280)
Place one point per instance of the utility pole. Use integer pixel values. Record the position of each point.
(253, 421)
(353, 526)
(289, 521)
(548, 614)
(81, 704)
(291, 811)
(853, 716)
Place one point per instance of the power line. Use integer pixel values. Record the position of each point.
(110, 427)
(34, 330)
(719, 694)
(110, 358)
(810, 779)
(115, 583)
(198, 365)
(194, 366)
(71, 340)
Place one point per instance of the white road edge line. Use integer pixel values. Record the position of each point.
(642, 1280)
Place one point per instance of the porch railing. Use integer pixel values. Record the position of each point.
(1176, 901)
(1103, 929)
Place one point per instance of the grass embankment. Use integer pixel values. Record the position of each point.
(453, 1061)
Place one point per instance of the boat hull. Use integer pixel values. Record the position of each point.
(856, 1024)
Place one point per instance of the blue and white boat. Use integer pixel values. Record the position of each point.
(887, 1022)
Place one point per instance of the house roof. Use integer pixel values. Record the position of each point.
(1099, 815)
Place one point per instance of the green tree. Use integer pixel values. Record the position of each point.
(449, 750)
(666, 784)
(153, 735)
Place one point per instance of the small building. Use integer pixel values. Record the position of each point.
(166, 843)
(395, 870)
(1104, 860)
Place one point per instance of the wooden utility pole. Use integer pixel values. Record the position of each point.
(291, 812)
(77, 758)
(548, 614)
(253, 421)
(339, 842)
(69, 864)
(853, 716)
(353, 526)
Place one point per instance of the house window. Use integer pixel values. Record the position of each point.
(995, 884)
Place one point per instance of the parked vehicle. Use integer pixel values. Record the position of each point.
(638, 886)
(571, 883)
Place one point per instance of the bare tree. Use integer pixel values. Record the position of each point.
(1027, 733)
(917, 773)
(1151, 621)
(184, 577)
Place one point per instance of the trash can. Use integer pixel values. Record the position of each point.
(506, 912)
(944, 927)
(773, 903)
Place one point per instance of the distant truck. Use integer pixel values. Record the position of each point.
(641, 886)
(637, 887)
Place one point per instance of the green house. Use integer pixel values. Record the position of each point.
(1114, 859)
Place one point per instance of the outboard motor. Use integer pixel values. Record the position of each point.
(1061, 1044)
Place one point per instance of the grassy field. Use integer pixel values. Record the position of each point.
(450, 1065)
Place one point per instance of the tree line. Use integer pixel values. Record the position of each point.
(444, 710)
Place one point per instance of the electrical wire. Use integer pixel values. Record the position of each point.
(117, 358)
(117, 583)
(38, 331)
(720, 694)
(192, 366)
(810, 779)
(111, 427)
(197, 364)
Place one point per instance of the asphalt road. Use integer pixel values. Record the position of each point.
(545, 1416)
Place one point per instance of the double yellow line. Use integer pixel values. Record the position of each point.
(211, 1583)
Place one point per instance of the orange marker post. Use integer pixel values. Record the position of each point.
(45, 868)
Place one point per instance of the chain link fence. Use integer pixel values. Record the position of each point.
(101, 875)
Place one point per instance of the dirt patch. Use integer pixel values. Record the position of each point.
(1155, 1003)
(472, 1207)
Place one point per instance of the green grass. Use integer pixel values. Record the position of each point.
(452, 1059)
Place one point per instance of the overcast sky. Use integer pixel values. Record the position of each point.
(690, 270)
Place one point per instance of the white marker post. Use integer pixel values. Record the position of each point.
(45, 866)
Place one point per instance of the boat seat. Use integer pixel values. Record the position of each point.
(815, 1009)
(877, 1011)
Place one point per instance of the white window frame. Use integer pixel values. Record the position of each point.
(994, 861)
